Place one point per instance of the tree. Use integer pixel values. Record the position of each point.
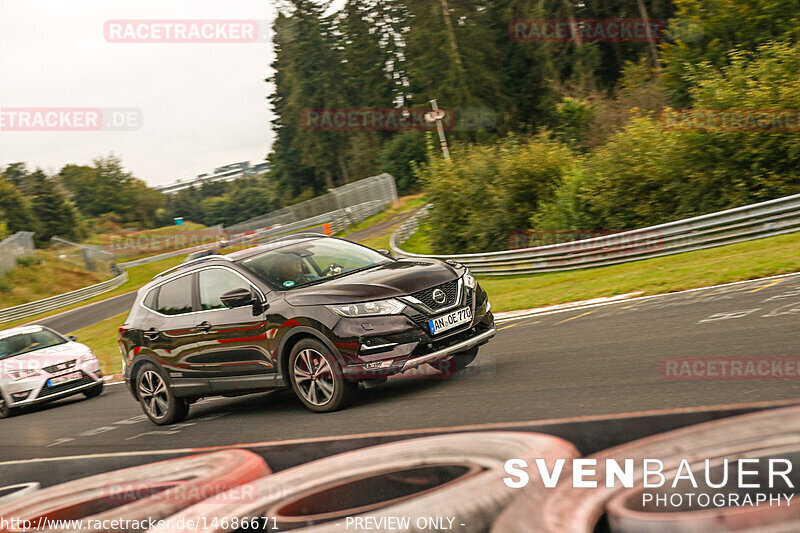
(16, 174)
(706, 30)
(15, 209)
(55, 213)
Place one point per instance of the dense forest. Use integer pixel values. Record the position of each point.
(570, 132)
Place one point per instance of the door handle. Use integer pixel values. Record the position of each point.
(205, 326)
(151, 333)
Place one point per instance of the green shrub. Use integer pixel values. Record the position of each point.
(484, 192)
(26, 260)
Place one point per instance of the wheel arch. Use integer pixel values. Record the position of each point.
(291, 338)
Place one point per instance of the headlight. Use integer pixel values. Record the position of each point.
(382, 307)
(22, 373)
(469, 281)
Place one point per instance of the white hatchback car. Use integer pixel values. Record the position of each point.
(38, 365)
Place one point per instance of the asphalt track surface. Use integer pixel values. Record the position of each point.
(79, 318)
(595, 360)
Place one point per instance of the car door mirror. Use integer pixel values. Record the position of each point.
(238, 298)
(384, 251)
(73, 338)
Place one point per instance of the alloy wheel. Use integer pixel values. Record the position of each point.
(153, 394)
(314, 377)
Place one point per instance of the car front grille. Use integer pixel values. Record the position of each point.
(450, 290)
(60, 367)
(51, 391)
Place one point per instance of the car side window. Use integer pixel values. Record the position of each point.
(214, 282)
(175, 297)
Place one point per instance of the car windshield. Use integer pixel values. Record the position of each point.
(28, 341)
(310, 262)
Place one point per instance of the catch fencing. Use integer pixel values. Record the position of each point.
(18, 245)
(92, 258)
(755, 221)
(374, 189)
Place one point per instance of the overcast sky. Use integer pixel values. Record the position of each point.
(203, 105)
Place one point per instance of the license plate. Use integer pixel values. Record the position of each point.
(66, 378)
(450, 320)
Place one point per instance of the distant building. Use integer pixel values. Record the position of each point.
(227, 173)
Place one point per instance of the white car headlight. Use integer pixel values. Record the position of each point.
(469, 281)
(381, 307)
(21, 373)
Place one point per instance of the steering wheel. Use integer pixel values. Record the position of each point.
(332, 270)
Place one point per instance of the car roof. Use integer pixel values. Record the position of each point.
(218, 259)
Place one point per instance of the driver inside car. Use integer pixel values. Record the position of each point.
(289, 270)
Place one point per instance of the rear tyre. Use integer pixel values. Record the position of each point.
(456, 362)
(95, 391)
(5, 410)
(317, 378)
(157, 399)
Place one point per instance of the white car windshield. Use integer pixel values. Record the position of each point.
(24, 342)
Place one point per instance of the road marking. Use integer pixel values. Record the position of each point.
(509, 326)
(574, 317)
(781, 296)
(583, 305)
(767, 285)
(728, 315)
(59, 441)
(784, 311)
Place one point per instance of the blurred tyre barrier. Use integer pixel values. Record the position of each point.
(773, 433)
(765, 219)
(457, 476)
(14, 492)
(153, 491)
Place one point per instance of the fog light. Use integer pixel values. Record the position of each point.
(378, 364)
(19, 396)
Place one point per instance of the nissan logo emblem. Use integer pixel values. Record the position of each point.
(439, 296)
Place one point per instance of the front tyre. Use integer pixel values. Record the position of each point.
(157, 399)
(317, 378)
(95, 391)
(5, 410)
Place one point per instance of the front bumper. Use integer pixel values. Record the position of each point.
(39, 392)
(378, 347)
(477, 340)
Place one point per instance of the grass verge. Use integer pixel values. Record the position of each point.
(102, 339)
(418, 242)
(702, 268)
(403, 204)
(137, 277)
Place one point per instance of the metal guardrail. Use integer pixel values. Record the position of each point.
(755, 221)
(62, 300)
